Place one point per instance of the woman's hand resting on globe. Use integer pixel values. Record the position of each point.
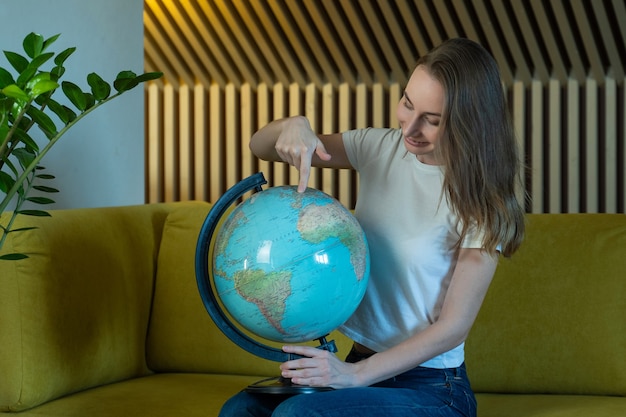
(296, 145)
(320, 368)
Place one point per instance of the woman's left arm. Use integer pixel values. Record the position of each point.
(468, 287)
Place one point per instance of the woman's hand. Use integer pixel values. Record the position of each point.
(296, 145)
(320, 368)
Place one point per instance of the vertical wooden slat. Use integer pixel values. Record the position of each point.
(621, 139)
(378, 105)
(201, 161)
(295, 109)
(518, 98)
(329, 121)
(344, 122)
(232, 160)
(537, 154)
(216, 144)
(395, 93)
(185, 149)
(610, 145)
(554, 146)
(573, 143)
(315, 117)
(280, 104)
(591, 146)
(361, 104)
(154, 147)
(263, 118)
(247, 129)
(170, 144)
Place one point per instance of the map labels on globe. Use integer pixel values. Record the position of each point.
(290, 267)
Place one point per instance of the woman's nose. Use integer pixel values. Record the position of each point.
(412, 127)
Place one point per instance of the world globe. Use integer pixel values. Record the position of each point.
(289, 266)
(286, 266)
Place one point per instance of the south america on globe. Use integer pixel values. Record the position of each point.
(290, 267)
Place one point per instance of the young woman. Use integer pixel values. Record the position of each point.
(437, 201)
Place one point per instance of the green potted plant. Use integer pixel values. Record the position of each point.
(26, 101)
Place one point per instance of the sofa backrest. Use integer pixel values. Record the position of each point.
(554, 319)
(74, 315)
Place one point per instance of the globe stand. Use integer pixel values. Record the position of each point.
(284, 386)
(267, 386)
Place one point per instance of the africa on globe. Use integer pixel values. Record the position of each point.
(290, 267)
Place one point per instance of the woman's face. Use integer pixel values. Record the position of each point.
(419, 113)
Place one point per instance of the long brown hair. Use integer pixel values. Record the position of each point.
(478, 146)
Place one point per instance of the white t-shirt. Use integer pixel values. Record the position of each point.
(411, 234)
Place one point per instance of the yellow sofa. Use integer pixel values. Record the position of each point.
(105, 319)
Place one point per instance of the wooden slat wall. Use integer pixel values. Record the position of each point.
(231, 66)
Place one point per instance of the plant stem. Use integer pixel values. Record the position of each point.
(35, 161)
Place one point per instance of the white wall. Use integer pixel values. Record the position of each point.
(100, 161)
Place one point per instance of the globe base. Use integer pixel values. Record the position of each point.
(282, 386)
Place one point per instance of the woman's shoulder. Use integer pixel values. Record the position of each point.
(365, 145)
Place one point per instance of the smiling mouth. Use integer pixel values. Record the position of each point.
(414, 142)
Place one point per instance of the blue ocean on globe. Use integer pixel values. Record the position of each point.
(290, 267)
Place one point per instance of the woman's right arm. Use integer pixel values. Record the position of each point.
(292, 140)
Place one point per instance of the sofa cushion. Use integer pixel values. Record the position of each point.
(74, 315)
(160, 395)
(554, 319)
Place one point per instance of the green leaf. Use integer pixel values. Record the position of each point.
(59, 110)
(44, 122)
(32, 68)
(36, 213)
(149, 76)
(33, 44)
(125, 80)
(45, 189)
(43, 87)
(41, 84)
(6, 182)
(25, 138)
(90, 101)
(24, 157)
(17, 61)
(13, 257)
(99, 88)
(6, 104)
(16, 110)
(61, 57)
(75, 94)
(50, 41)
(15, 92)
(57, 72)
(40, 200)
(5, 78)
(45, 176)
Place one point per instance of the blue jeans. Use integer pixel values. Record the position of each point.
(418, 392)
